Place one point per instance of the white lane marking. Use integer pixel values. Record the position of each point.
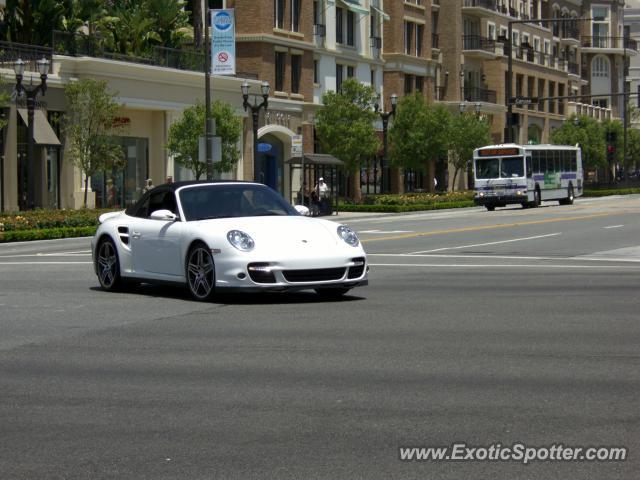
(40, 254)
(615, 226)
(46, 263)
(510, 257)
(488, 243)
(483, 266)
(386, 231)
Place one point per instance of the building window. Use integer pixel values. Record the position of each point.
(408, 37)
(316, 71)
(419, 84)
(600, 102)
(408, 84)
(295, 15)
(339, 26)
(296, 73)
(281, 58)
(350, 28)
(339, 70)
(600, 67)
(350, 71)
(419, 37)
(278, 6)
(373, 79)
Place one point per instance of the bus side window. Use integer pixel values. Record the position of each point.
(543, 161)
(566, 162)
(529, 167)
(574, 162)
(535, 156)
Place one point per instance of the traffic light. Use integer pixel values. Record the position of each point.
(611, 152)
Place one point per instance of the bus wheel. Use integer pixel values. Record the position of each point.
(570, 197)
(536, 198)
(491, 208)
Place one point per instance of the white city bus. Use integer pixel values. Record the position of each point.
(526, 174)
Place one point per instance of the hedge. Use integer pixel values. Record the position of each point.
(404, 208)
(610, 191)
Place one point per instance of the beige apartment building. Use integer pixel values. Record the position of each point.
(454, 52)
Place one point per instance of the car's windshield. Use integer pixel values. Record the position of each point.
(487, 168)
(201, 202)
(506, 167)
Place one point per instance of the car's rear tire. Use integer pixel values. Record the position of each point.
(332, 293)
(108, 266)
(200, 272)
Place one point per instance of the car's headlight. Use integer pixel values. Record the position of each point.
(240, 240)
(348, 235)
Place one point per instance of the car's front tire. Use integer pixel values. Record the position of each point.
(108, 266)
(332, 293)
(200, 272)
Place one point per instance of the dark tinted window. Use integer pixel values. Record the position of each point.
(224, 201)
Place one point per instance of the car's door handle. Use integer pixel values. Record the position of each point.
(135, 234)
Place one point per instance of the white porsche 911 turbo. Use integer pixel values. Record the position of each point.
(225, 236)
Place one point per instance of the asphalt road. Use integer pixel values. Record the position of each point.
(477, 327)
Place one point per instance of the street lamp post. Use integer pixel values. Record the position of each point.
(31, 94)
(385, 125)
(255, 113)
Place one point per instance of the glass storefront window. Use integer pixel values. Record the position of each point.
(120, 188)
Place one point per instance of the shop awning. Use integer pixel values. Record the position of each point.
(354, 6)
(315, 159)
(385, 16)
(43, 134)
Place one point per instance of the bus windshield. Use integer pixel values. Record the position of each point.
(506, 167)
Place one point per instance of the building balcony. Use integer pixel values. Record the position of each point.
(30, 54)
(474, 94)
(617, 45)
(573, 68)
(478, 46)
(479, 7)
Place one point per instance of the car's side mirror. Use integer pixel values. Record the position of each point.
(302, 210)
(166, 215)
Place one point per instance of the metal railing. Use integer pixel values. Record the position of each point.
(488, 4)
(473, 94)
(573, 68)
(320, 30)
(477, 42)
(438, 93)
(609, 42)
(30, 54)
(189, 59)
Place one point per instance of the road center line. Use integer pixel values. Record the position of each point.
(493, 227)
(615, 226)
(484, 266)
(488, 243)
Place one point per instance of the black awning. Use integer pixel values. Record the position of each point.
(315, 159)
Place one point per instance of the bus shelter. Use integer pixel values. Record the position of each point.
(305, 174)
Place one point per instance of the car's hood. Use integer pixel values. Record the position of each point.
(278, 232)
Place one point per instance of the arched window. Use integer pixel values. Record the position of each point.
(600, 67)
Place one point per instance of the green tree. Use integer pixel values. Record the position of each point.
(419, 135)
(90, 125)
(633, 148)
(345, 128)
(184, 137)
(468, 132)
(589, 134)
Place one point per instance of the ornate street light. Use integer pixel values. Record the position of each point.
(385, 124)
(31, 94)
(255, 113)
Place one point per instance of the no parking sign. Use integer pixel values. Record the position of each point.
(223, 42)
